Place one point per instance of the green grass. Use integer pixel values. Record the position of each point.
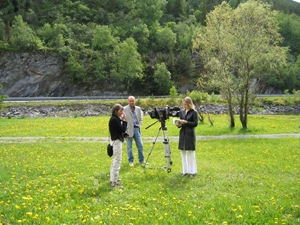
(66, 181)
(98, 126)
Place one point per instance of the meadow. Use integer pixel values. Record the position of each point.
(65, 180)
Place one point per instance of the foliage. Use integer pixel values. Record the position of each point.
(128, 62)
(173, 92)
(23, 36)
(237, 46)
(162, 78)
(86, 34)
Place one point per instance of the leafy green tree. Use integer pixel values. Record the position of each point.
(185, 65)
(185, 34)
(177, 8)
(141, 34)
(166, 39)
(103, 39)
(289, 29)
(23, 36)
(237, 46)
(75, 70)
(150, 11)
(56, 36)
(3, 37)
(100, 69)
(128, 63)
(173, 92)
(162, 79)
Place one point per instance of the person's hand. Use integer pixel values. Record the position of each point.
(183, 121)
(123, 116)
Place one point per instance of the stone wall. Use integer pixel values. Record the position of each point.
(97, 110)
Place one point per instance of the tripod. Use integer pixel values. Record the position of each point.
(166, 145)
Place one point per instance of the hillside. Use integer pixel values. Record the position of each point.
(137, 47)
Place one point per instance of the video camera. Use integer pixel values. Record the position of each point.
(164, 113)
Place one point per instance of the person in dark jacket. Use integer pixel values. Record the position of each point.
(117, 127)
(187, 137)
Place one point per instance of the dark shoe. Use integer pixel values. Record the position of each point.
(119, 180)
(192, 175)
(184, 174)
(116, 185)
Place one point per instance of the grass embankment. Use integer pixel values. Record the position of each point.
(240, 181)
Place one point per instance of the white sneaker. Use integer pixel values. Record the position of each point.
(131, 164)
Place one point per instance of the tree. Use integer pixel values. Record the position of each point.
(128, 62)
(162, 78)
(23, 36)
(2, 30)
(166, 39)
(289, 29)
(237, 46)
(103, 39)
(150, 11)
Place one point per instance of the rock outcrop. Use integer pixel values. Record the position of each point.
(32, 74)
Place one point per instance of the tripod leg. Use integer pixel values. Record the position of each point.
(153, 143)
(167, 150)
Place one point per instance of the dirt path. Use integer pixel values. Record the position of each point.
(145, 139)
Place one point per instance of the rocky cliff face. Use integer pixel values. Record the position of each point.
(32, 74)
(40, 75)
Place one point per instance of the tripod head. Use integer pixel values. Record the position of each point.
(162, 123)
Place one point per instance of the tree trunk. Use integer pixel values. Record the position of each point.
(244, 110)
(230, 108)
(231, 115)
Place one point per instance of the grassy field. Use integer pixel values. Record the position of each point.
(98, 126)
(58, 181)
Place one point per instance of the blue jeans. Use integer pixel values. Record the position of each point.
(139, 144)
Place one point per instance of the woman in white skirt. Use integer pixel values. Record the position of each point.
(187, 137)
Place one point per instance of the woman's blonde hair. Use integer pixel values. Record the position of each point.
(189, 102)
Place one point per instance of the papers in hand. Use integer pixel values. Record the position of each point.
(176, 121)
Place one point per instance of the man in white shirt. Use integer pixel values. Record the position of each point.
(134, 118)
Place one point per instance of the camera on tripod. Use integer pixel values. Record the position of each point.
(164, 113)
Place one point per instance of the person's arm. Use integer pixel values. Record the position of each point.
(194, 119)
(119, 125)
(141, 117)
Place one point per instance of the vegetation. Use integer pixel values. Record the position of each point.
(150, 102)
(66, 180)
(142, 47)
(236, 46)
